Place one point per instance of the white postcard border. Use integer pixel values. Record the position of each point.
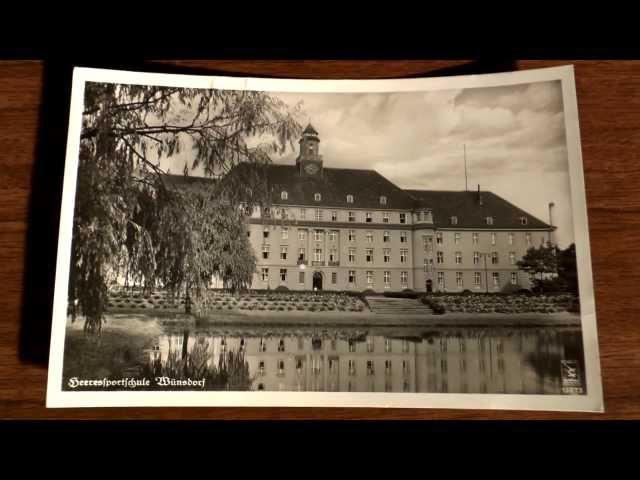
(591, 402)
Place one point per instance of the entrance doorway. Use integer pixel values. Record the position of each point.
(317, 280)
(429, 286)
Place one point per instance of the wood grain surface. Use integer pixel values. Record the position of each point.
(32, 139)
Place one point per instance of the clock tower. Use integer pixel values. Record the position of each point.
(309, 161)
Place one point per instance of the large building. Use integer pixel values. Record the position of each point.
(352, 229)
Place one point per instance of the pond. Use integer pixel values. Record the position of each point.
(175, 354)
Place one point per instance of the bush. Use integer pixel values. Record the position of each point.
(281, 288)
(368, 292)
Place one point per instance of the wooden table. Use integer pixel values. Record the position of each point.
(32, 142)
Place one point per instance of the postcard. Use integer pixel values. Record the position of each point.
(415, 243)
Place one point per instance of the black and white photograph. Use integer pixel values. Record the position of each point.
(269, 242)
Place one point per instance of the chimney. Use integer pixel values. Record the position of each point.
(479, 196)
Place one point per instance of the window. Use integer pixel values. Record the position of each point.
(283, 213)
(280, 368)
(383, 200)
(512, 258)
(387, 279)
(438, 238)
(352, 276)
(283, 253)
(352, 216)
(265, 232)
(352, 235)
(386, 236)
(317, 197)
(332, 235)
(349, 198)
(494, 258)
(352, 366)
(387, 347)
(265, 251)
(476, 258)
(334, 277)
(476, 279)
(440, 279)
(248, 233)
(266, 212)
(370, 367)
(301, 278)
(283, 274)
(265, 274)
(425, 265)
(404, 252)
(458, 258)
(527, 239)
(369, 255)
(510, 236)
(405, 367)
(523, 220)
(334, 215)
(318, 214)
(302, 254)
(427, 242)
(333, 255)
(459, 279)
(475, 236)
(514, 278)
(368, 217)
(456, 238)
(489, 220)
(303, 213)
(369, 237)
(285, 233)
(284, 195)
(263, 345)
(403, 218)
(496, 279)
(317, 235)
(439, 257)
(385, 217)
(493, 238)
(369, 278)
(301, 235)
(404, 279)
(444, 366)
(386, 254)
(317, 255)
(403, 237)
(352, 255)
(454, 220)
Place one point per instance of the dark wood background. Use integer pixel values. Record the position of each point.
(32, 138)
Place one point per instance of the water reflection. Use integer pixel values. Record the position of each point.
(455, 360)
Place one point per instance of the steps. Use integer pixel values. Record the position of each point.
(398, 306)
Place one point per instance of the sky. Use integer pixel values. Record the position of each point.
(514, 137)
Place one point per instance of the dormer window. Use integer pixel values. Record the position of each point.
(317, 197)
(383, 200)
(349, 198)
(489, 220)
(454, 220)
(523, 220)
(284, 195)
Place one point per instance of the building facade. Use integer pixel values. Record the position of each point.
(352, 229)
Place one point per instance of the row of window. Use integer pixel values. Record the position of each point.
(493, 256)
(284, 195)
(332, 235)
(427, 240)
(318, 215)
(487, 220)
(351, 277)
(477, 279)
(318, 254)
(332, 367)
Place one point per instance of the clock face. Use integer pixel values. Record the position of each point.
(311, 168)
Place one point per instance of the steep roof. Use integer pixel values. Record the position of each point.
(310, 130)
(470, 213)
(334, 184)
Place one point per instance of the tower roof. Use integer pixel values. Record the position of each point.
(310, 130)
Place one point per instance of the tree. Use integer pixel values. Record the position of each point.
(130, 221)
(567, 268)
(540, 261)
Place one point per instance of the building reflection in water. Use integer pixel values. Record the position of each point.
(524, 361)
